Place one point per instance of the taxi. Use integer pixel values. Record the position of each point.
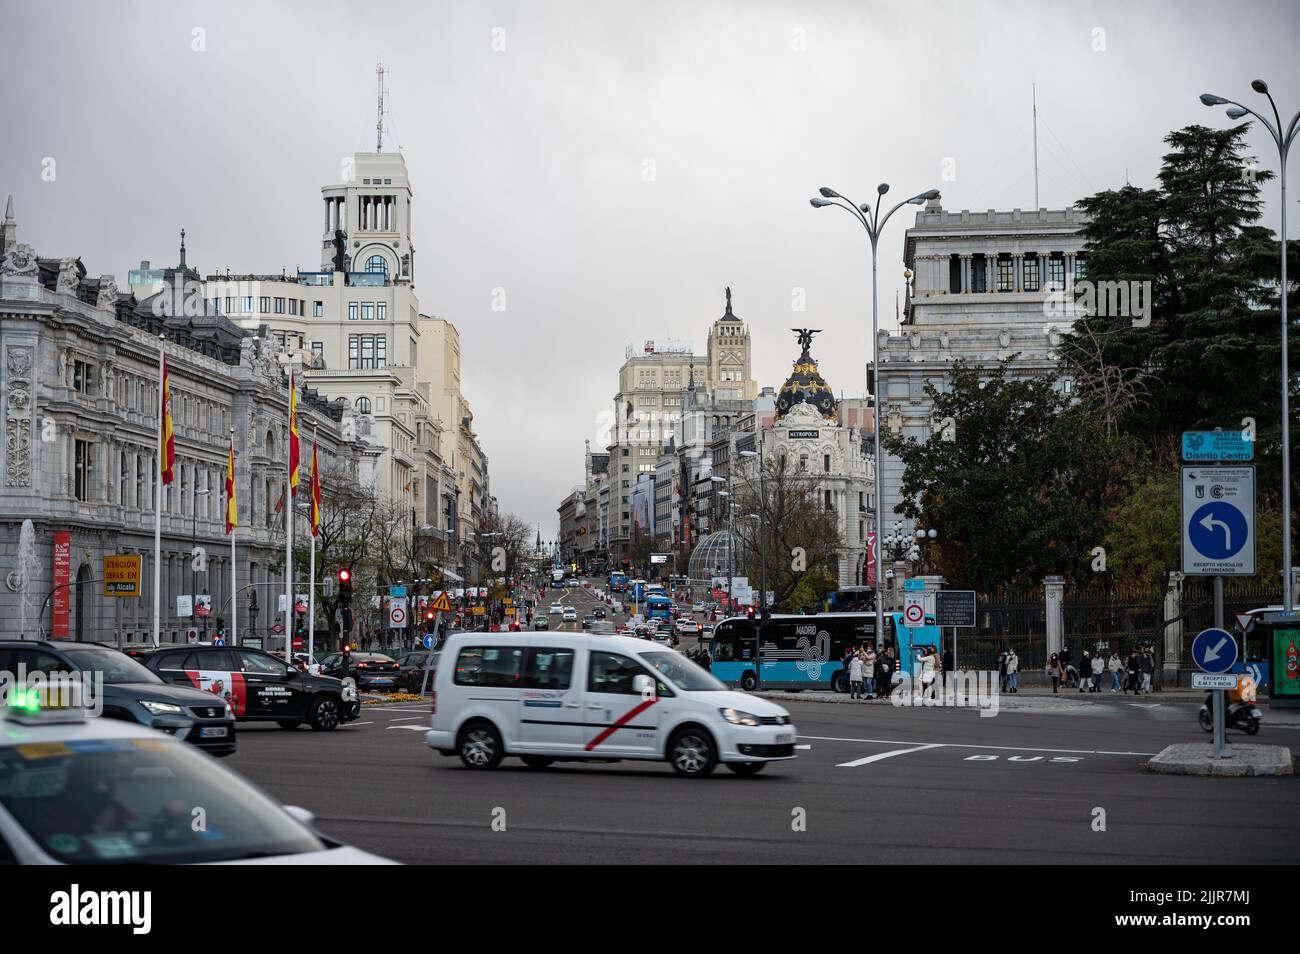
(102, 791)
(574, 696)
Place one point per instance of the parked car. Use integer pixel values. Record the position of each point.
(413, 664)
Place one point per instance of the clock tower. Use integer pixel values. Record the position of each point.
(728, 357)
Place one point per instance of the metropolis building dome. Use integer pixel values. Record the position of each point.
(805, 384)
(712, 556)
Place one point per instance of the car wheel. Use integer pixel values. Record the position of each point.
(1252, 726)
(748, 681)
(746, 768)
(537, 761)
(691, 753)
(839, 683)
(480, 746)
(1205, 719)
(288, 723)
(324, 715)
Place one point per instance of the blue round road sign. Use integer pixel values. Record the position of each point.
(1214, 650)
(430, 641)
(1217, 530)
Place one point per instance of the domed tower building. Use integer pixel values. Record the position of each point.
(810, 443)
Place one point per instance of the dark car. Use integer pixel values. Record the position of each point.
(131, 692)
(368, 670)
(599, 612)
(588, 620)
(413, 666)
(259, 686)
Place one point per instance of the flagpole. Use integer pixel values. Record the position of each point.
(234, 587)
(288, 528)
(157, 498)
(311, 592)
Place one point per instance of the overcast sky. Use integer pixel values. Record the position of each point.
(612, 168)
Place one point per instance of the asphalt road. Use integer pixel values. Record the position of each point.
(872, 783)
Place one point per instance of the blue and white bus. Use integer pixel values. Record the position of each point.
(658, 606)
(799, 651)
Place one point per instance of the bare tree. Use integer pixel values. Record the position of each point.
(1119, 390)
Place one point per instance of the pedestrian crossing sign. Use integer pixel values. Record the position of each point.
(442, 604)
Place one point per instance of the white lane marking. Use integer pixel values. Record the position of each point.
(965, 745)
(1141, 705)
(803, 746)
(417, 728)
(406, 719)
(887, 755)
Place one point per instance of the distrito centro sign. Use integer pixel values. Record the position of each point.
(1218, 518)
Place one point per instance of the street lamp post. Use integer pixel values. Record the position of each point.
(1283, 139)
(872, 221)
(762, 558)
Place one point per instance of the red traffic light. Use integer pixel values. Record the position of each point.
(429, 615)
(347, 648)
(345, 575)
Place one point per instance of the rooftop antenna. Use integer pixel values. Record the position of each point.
(379, 115)
(1035, 95)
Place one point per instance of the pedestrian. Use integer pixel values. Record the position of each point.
(1054, 672)
(885, 676)
(1146, 666)
(855, 676)
(946, 665)
(1113, 666)
(1097, 665)
(1013, 670)
(1085, 672)
(1002, 670)
(869, 671)
(1131, 673)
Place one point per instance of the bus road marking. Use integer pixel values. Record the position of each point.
(803, 746)
(888, 755)
(967, 745)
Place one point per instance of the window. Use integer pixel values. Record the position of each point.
(352, 311)
(377, 263)
(1006, 274)
(248, 304)
(230, 305)
(979, 267)
(81, 377)
(1080, 268)
(1056, 272)
(363, 405)
(611, 672)
(381, 352)
(488, 666)
(954, 274)
(828, 500)
(293, 306)
(259, 664)
(140, 465)
(318, 309)
(381, 310)
(826, 463)
(367, 351)
(368, 311)
(81, 470)
(279, 306)
(318, 351)
(1031, 274)
(548, 669)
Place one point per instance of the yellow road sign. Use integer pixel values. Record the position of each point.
(441, 604)
(122, 575)
(510, 611)
(477, 610)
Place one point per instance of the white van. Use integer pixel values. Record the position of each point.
(570, 696)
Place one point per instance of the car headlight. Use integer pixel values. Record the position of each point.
(739, 717)
(160, 708)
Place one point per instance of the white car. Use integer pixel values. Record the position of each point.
(698, 607)
(570, 614)
(687, 627)
(92, 791)
(573, 696)
(557, 608)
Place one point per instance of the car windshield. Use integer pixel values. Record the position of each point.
(138, 801)
(117, 667)
(681, 672)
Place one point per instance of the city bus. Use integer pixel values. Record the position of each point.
(658, 606)
(799, 651)
(617, 581)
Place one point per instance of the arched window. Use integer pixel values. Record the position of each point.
(363, 405)
(123, 477)
(377, 263)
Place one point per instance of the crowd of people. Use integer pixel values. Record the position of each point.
(1132, 673)
(871, 671)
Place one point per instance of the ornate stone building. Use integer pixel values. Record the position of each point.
(79, 382)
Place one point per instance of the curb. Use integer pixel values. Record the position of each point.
(1240, 760)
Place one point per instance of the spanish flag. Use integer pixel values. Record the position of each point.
(315, 493)
(167, 446)
(293, 435)
(232, 511)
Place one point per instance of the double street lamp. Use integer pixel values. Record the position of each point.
(871, 220)
(1283, 139)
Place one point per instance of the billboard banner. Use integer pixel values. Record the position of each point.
(62, 576)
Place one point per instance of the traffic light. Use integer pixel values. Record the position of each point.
(221, 627)
(750, 612)
(345, 587)
(429, 617)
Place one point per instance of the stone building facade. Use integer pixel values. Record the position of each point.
(80, 391)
